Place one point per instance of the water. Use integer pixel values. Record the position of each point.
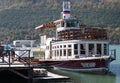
(115, 65)
(76, 77)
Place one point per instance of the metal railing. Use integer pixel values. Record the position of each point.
(13, 57)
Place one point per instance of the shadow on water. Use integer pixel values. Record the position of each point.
(8, 77)
(77, 77)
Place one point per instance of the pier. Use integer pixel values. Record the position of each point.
(16, 69)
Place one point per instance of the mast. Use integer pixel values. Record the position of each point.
(66, 9)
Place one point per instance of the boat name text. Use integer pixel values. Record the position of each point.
(92, 64)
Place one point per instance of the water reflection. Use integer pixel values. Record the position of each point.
(115, 65)
(90, 78)
(76, 77)
(115, 68)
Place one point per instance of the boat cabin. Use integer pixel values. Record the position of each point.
(79, 49)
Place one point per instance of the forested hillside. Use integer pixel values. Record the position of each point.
(18, 18)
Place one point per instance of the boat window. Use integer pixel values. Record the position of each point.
(64, 46)
(64, 52)
(69, 52)
(82, 48)
(71, 23)
(91, 49)
(60, 52)
(66, 5)
(57, 52)
(99, 49)
(62, 24)
(75, 48)
(105, 49)
(60, 46)
(69, 45)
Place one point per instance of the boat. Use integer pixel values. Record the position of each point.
(75, 47)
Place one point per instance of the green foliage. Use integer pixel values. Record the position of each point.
(18, 18)
(114, 35)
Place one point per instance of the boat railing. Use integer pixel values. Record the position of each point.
(13, 58)
(112, 54)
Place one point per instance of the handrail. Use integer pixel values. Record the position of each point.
(20, 59)
(12, 56)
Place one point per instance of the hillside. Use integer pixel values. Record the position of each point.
(18, 18)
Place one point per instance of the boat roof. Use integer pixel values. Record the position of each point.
(46, 25)
(54, 23)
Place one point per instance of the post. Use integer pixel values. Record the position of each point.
(30, 75)
(30, 70)
(28, 58)
(9, 58)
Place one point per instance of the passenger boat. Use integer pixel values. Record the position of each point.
(76, 47)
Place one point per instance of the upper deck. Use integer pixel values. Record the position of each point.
(84, 33)
(71, 28)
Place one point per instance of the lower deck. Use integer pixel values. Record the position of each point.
(73, 49)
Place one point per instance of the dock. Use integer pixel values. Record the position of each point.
(25, 71)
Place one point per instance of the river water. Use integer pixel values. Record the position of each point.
(76, 77)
